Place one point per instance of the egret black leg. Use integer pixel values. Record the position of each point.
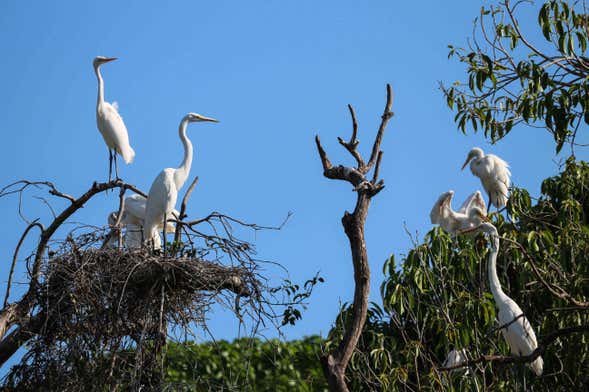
(116, 166)
(164, 246)
(109, 164)
(489, 205)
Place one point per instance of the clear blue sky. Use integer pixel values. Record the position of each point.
(275, 73)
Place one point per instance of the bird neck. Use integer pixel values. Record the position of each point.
(494, 283)
(100, 98)
(183, 170)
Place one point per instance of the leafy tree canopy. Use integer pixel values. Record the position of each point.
(246, 365)
(438, 298)
(527, 76)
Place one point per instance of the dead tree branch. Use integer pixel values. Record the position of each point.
(11, 314)
(336, 362)
(183, 209)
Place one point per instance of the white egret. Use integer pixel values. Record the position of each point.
(470, 216)
(132, 221)
(163, 193)
(494, 174)
(519, 333)
(110, 124)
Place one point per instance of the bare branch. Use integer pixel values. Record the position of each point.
(183, 209)
(352, 145)
(545, 342)
(35, 223)
(335, 363)
(323, 155)
(387, 114)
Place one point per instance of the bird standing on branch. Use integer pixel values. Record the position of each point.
(494, 174)
(516, 330)
(163, 193)
(110, 124)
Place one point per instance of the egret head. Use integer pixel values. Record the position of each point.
(477, 216)
(472, 154)
(99, 60)
(195, 117)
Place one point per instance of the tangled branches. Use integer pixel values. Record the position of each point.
(93, 312)
(115, 306)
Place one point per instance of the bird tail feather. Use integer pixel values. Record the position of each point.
(499, 197)
(128, 155)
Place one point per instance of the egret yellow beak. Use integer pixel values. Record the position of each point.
(210, 119)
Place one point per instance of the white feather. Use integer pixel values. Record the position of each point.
(468, 218)
(494, 175)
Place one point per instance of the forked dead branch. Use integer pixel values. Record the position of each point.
(335, 363)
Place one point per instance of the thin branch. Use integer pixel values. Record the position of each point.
(183, 210)
(387, 114)
(352, 145)
(35, 223)
(323, 155)
(377, 167)
(563, 294)
(545, 342)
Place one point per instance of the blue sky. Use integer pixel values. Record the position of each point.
(275, 73)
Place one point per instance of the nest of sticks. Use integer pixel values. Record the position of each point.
(104, 313)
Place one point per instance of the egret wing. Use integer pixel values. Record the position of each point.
(440, 208)
(135, 206)
(474, 200)
(114, 131)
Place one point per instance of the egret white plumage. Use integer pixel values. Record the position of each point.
(494, 174)
(163, 193)
(519, 333)
(132, 221)
(470, 215)
(110, 124)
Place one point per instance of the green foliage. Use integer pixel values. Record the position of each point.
(437, 298)
(246, 365)
(515, 79)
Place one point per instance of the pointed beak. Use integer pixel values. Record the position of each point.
(465, 163)
(109, 59)
(210, 119)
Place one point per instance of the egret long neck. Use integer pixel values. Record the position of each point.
(100, 85)
(183, 170)
(494, 283)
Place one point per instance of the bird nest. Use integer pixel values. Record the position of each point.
(105, 312)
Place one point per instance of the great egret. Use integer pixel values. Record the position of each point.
(494, 174)
(110, 124)
(519, 333)
(132, 221)
(163, 193)
(471, 214)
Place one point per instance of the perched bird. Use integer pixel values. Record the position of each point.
(494, 174)
(455, 358)
(163, 193)
(110, 124)
(519, 333)
(132, 221)
(471, 214)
